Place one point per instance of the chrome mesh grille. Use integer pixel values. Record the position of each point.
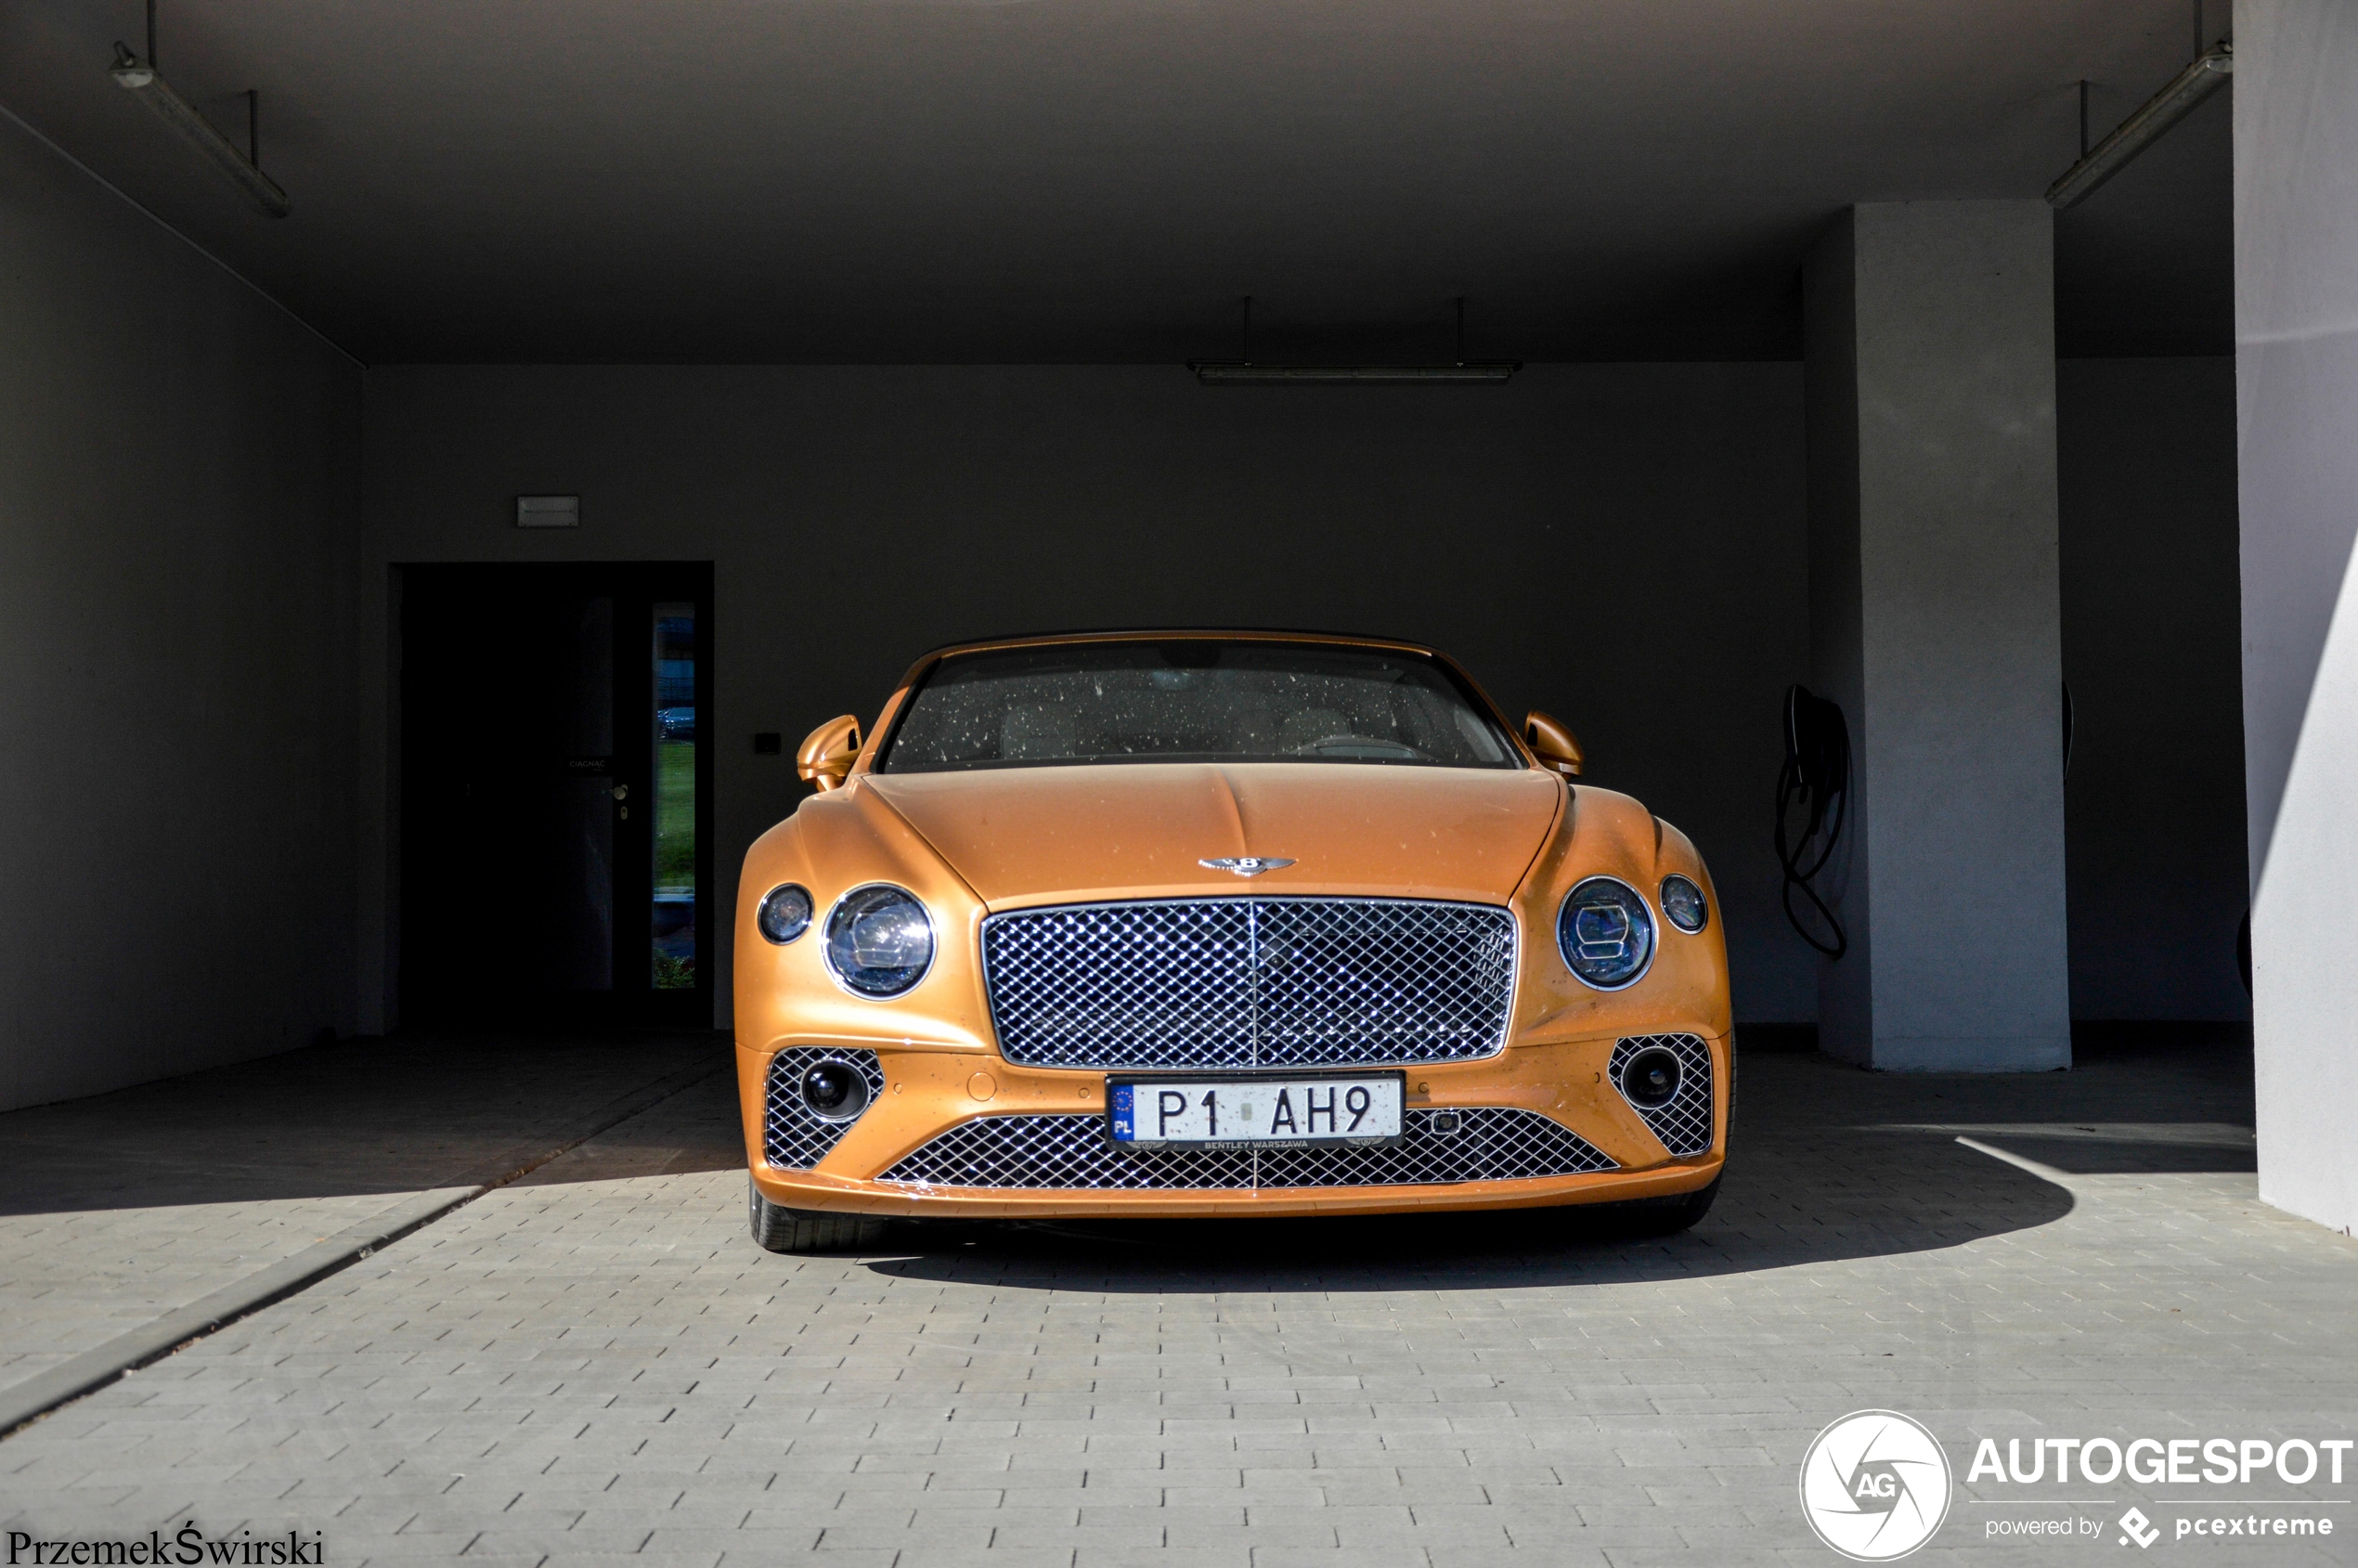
(793, 1139)
(1250, 982)
(1488, 1144)
(1683, 1125)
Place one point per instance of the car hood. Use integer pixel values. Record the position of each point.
(1029, 836)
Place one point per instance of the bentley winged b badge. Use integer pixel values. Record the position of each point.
(1246, 865)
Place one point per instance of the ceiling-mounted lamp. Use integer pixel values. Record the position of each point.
(1213, 372)
(1243, 372)
(140, 77)
(2210, 71)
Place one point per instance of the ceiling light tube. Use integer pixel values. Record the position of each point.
(139, 78)
(2209, 72)
(1232, 372)
(1243, 370)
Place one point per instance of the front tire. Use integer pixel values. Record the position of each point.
(777, 1228)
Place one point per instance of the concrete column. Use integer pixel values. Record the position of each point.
(2297, 436)
(1935, 622)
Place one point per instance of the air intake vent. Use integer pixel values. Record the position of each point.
(794, 1137)
(1683, 1123)
(1483, 1143)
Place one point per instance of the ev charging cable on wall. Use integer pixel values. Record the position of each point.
(1815, 781)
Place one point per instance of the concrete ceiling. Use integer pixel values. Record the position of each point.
(1101, 180)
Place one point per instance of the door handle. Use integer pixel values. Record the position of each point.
(621, 792)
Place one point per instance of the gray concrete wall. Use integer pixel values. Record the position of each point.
(2297, 434)
(1621, 545)
(195, 598)
(1525, 528)
(1937, 363)
(2150, 651)
(179, 468)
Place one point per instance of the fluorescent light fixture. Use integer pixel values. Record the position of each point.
(141, 79)
(1236, 372)
(2209, 72)
(548, 511)
(1243, 372)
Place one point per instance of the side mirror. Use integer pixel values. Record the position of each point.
(1556, 746)
(829, 751)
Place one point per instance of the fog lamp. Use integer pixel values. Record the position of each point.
(835, 1091)
(1650, 1077)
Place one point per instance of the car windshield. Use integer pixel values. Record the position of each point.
(1191, 700)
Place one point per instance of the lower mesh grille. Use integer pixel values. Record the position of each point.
(793, 1139)
(1488, 1144)
(1683, 1125)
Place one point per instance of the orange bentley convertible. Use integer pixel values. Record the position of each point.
(1191, 922)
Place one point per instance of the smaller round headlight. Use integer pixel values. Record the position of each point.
(1683, 904)
(785, 913)
(1606, 933)
(1650, 1077)
(835, 1091)
(880, 940)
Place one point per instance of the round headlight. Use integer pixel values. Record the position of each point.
(880, 940)
(1683, 905)
(1606, 932)
(785, 913)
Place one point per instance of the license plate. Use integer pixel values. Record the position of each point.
(1312, 1110)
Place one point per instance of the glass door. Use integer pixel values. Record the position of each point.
(671, 917)
(552, 866)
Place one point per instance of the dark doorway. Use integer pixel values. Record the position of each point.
(552, 793)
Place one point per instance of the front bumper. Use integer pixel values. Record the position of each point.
(925, 1092)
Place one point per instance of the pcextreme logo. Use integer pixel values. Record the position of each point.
(1875, 1485)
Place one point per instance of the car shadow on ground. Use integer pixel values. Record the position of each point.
(1783, 1202)
(1830, 1163)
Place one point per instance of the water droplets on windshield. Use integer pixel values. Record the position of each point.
(1191, 701)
